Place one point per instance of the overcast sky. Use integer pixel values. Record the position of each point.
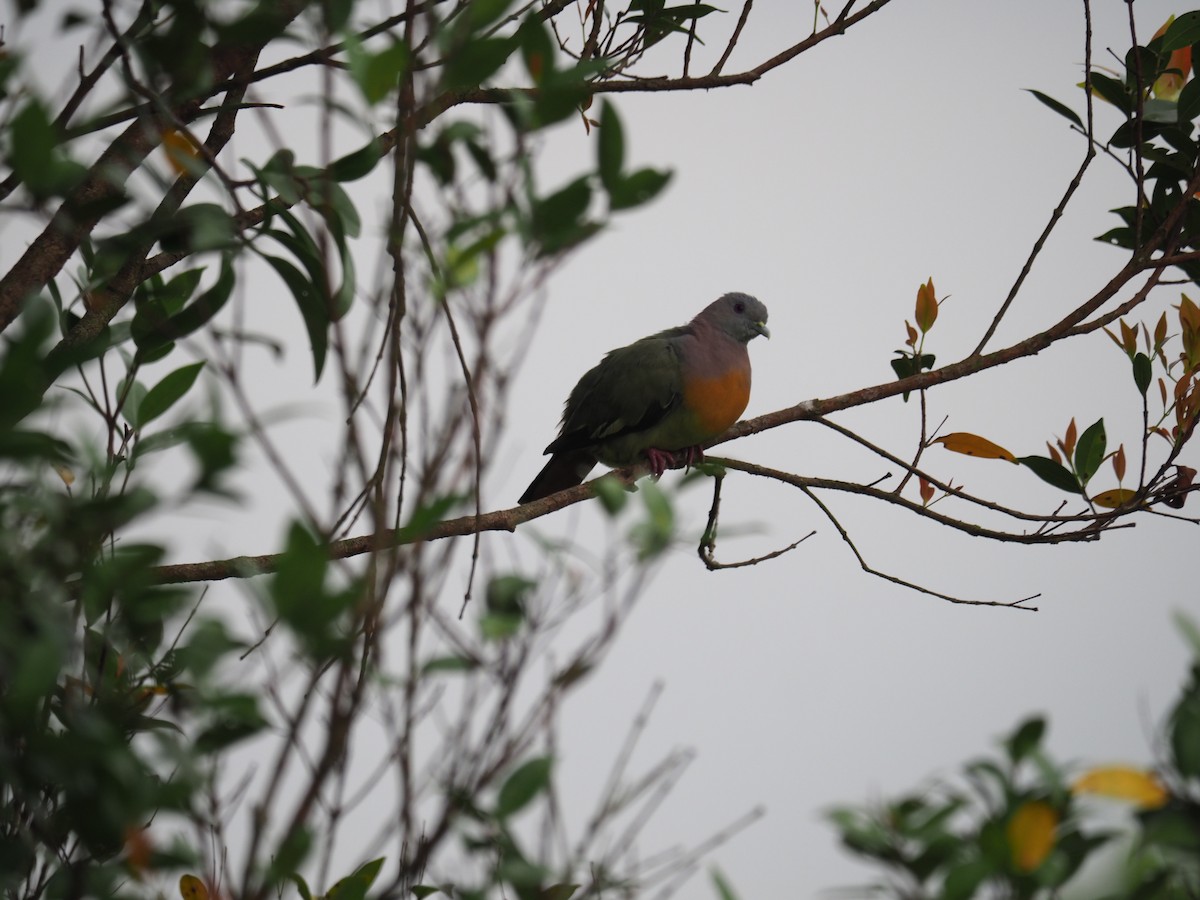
(830, 190)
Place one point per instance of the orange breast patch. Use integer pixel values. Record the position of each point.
(717, 402)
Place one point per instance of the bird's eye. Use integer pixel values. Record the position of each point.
(739, 307)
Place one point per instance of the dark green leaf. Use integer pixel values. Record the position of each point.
(537, 49)
(610, 147)
(1061, 108)
(562, 209)
(356, 165)
(236, 717)
(506, 594)
(164, 395)
(152, 335)
(1025, 739)
(1184, 32)
(523, 785)
(473, 64)
(1142, 374)
(1114, 91)
(637, 188)
(449, 664)
(301, 886)
(1052, 473)
(1189, 101)
(291, 854)
(1185, 729)
(1089, 452)
(421, 891)
(312, 309)
(381, 72)
(355, 886)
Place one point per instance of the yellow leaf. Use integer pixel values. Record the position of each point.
(927, 307)
(1138, 786)
(181, 152)
(1031, 834)
(1115, 498)
(67, 476)
(974, 445)
(192, 888)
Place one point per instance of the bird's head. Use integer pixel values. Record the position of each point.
(740, 316)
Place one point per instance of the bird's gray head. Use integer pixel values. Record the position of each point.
(740, 316)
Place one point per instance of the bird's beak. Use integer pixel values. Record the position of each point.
(761, 328)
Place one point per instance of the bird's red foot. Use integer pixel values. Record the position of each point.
(660, 461)
(693, 455)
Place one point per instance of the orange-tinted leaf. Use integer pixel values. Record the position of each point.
(1118, 463)
(1031, 832)
(912, 334)
(1128, 337)
(1115, 498)
(1138, 786)
(192, 888)
(926, 490)
(1068, 443)
(138, 849)
(927, 307)
(974, 445)
(181, 152)
(1116, 340)
(1054, 455)
(1170, 83)
(1162, 389)
(1160, 331)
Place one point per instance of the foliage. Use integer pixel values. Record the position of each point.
(1016, 826)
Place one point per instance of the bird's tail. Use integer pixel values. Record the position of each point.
(564, 470)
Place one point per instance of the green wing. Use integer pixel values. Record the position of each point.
(631, 390)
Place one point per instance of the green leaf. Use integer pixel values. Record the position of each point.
(637, 188)
(612, 494)
(1185, 729)
(1061, 108)
(1089, 452)
(523, 785)
(498, 626)
(421, 891)
(301, 886)
(537, 49)
(1052, 473)
(312, 309)
(167, 392)
(1114, 91)
(380, 72)
(290, 855)
(358, 164)
(1142, 375)
(1025, 739)
(610, 147)
(561, 891)
(476, 61)
(356, 885)
(724, 891)
(236, 717)
(506, 594)
(561, 211)
(152, 335)
(1184, 32)
(449, 664)
(1189, 101)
